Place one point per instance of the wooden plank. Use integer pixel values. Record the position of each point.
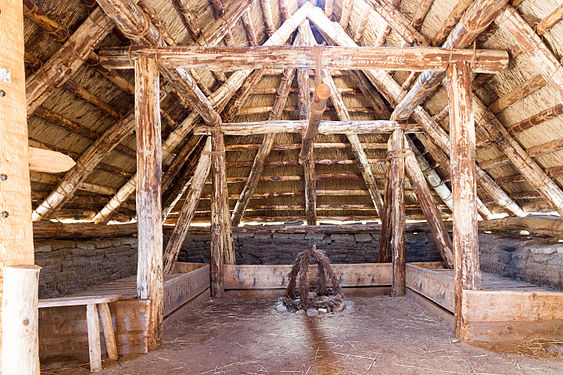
(16, 232)
(303, 57)
(94, 348)
(109, 333)
(431, 306)
(77, 300)
(149, 172)
(185, 267)
(182, 289)
(433, 285)
(275, 276)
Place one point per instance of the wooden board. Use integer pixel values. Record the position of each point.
(76, 301)
(185, 267)
(275, 276)
(181, 289)
(434, 284)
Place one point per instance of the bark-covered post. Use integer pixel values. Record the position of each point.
(462, 156)
(149, 173)
(16, 231)
(384, 250)
(398, 286)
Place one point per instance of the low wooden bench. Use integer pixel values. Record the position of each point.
(94, 304)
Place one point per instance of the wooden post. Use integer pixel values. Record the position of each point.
(398, 225)
(16, 232)
(149, 173)
(188, 209)
(384, 250)
(423, 194)
(20, 321)
(465, 235)
(219, 177)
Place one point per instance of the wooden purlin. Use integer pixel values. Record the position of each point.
(393, 93)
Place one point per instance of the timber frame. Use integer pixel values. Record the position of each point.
(170, 159)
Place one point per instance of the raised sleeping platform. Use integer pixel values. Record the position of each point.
(502, 315)
(63, 330)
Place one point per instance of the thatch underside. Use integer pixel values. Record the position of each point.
(341, 191)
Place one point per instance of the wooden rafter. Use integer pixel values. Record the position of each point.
(398, 22)
(135, 23)
(531, 44)
(477, 17)
(451, 21)
(267, 14)
(219, 99)
(548, 22)
(346, 12)
(357, 149)
(421, 12)
(67, 60)
(393, 92)
(33, 11)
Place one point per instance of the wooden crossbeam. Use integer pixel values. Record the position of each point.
(302, 57)
(325, 127)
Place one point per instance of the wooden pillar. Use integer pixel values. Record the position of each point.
(149, 173)
(20, 320)
(16, 232)
(384, 250)
(218, 214)
(462, 158)
(396, 148)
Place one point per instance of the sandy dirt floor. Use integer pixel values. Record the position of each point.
(381, 335)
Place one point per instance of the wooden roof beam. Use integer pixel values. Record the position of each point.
(531, 45)
(219, 99)
(420, 13)
(517, 155)
(136, 24)
(325, 127)
(477, 17)
(33, 11)
(188, 19)
(303, 57)
(66, 61)
(548, 22)
(346, 12)
(393, 92)
(451, 21)
(357, 149)
(249, 28)
(267, 14)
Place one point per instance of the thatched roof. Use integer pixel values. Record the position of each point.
(337, 169)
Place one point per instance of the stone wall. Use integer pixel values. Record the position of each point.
(69, 266)
(267, 248)
(538, 261)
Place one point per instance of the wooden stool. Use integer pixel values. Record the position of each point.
(94, 304)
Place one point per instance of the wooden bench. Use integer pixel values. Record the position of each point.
(94, 304)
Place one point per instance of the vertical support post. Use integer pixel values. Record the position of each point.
(462, 159)
(384, 251)
(398, 287)
(149, 174)
(218, 214)
(20, 321)
(16, 231)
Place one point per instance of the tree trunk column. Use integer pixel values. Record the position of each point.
(149, 173)
(396, 148)
(219, 217)
(462, 156)
(16, 232)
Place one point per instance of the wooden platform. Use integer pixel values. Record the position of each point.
(502, 315)
(63, 330)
